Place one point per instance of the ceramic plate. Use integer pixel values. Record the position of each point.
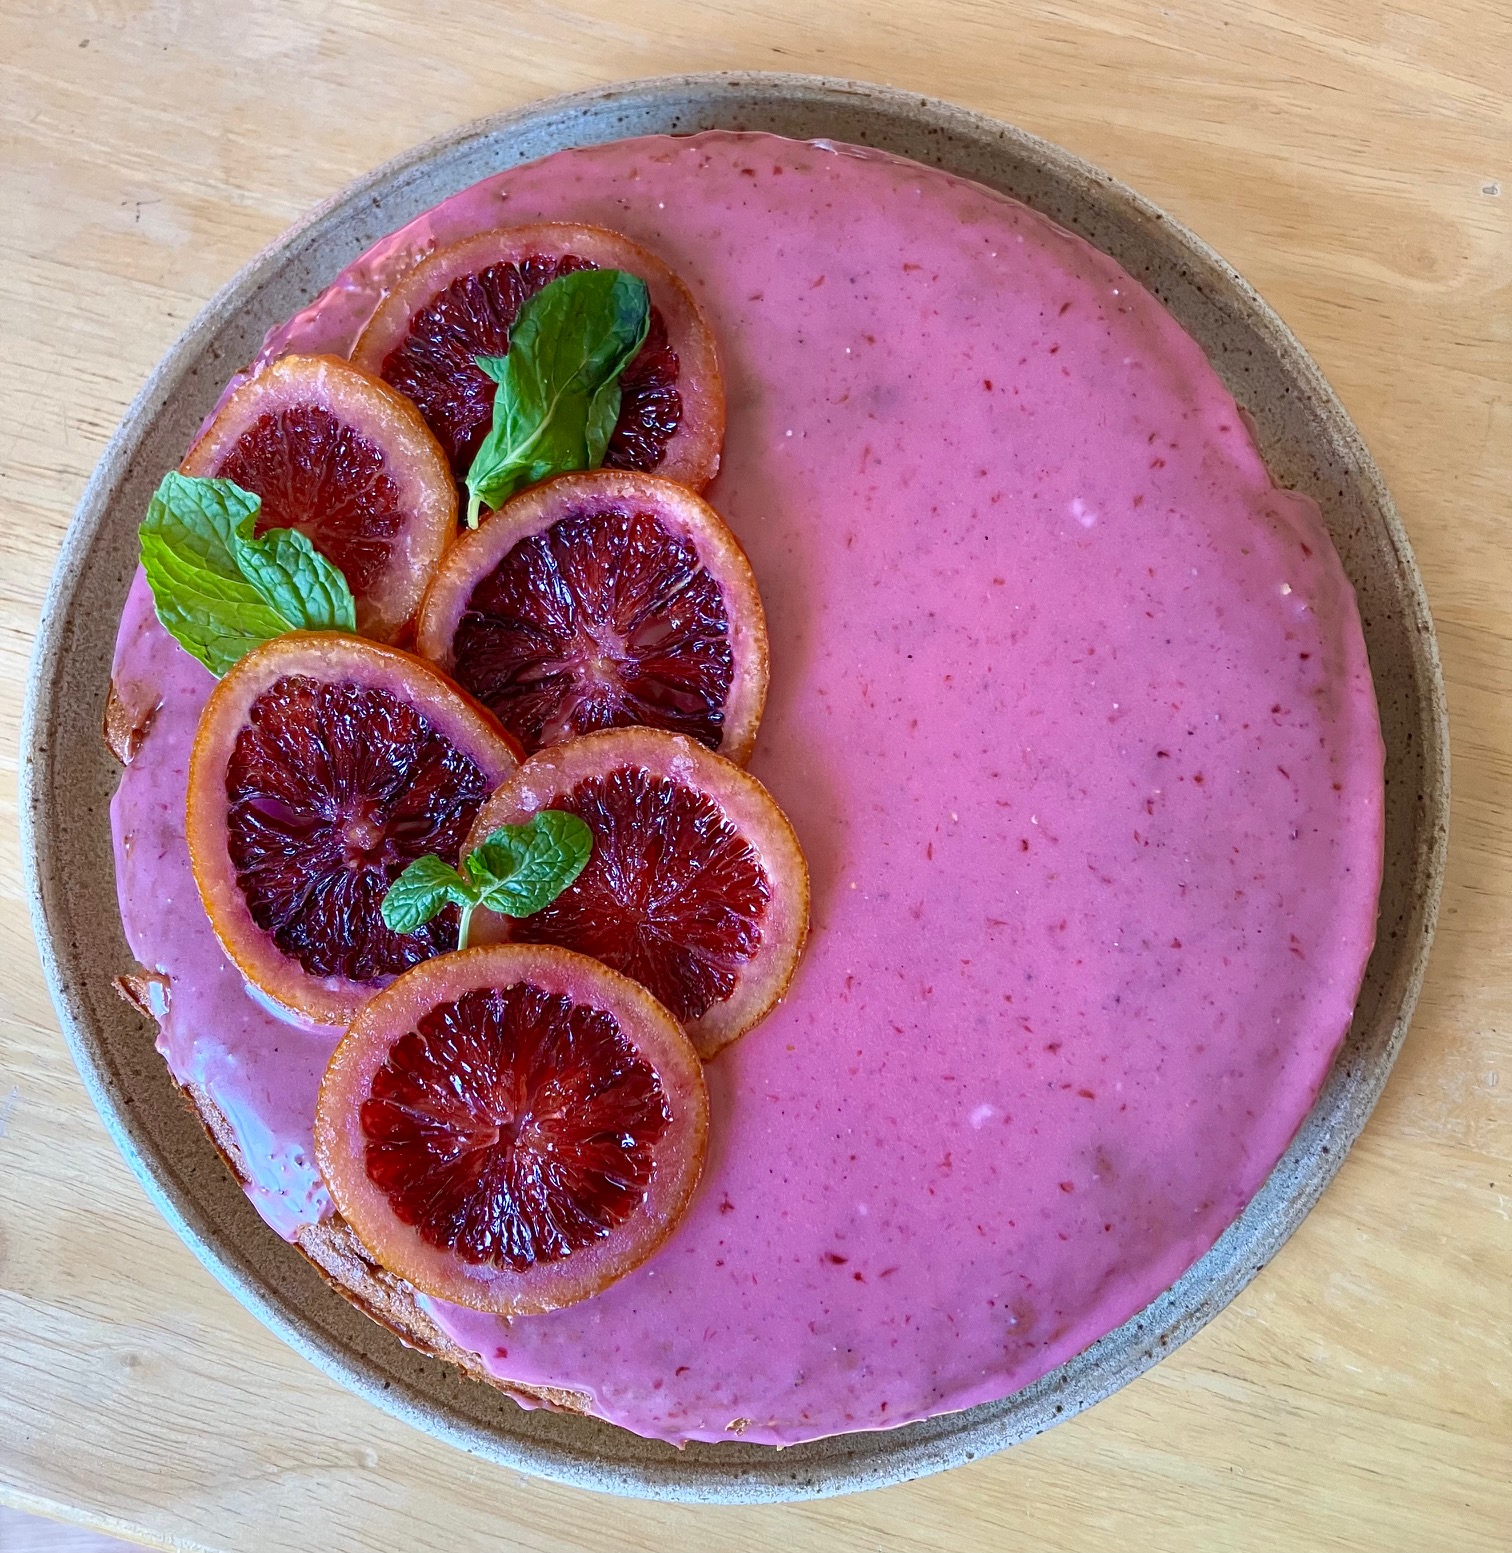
(68, 777)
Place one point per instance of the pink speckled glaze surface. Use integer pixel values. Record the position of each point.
(1071, 710)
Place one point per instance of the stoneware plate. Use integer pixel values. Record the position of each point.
(68, 777)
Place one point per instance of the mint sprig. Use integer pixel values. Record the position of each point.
(558, 393)
(516, 871)
(220, 591)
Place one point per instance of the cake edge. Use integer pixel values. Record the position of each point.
(332, 1248)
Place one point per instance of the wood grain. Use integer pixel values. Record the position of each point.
(1354, 160)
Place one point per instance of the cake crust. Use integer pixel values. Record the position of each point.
(331, 1247)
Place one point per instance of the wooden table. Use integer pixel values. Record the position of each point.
(1354, 160)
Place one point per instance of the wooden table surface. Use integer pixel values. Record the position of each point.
(1354, 160)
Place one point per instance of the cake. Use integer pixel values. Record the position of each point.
(1070, 709)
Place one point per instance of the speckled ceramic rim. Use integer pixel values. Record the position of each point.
(67, 777)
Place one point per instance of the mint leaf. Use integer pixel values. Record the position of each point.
(516, 871)
(603, 412)
(219, 590)
(427, 886)
(558, 393)
(521, 868)
(297, 581)
(202, 517)
(203, 599)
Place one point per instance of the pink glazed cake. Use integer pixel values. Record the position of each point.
(1071, 711)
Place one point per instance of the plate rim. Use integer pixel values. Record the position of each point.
(861, 1459)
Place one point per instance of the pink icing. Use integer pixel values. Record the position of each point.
(1071, 710)
(261, 1072)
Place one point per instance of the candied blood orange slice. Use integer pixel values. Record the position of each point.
(322, 767)
(336, 453)
(512, 1127)
(696, 885)
(604, 600)
(460, 302)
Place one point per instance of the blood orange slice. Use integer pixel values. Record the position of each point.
(696, 886)
(604, 600)
(460, 302)
(512, 1128)
(336, 453)
(322, 767)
